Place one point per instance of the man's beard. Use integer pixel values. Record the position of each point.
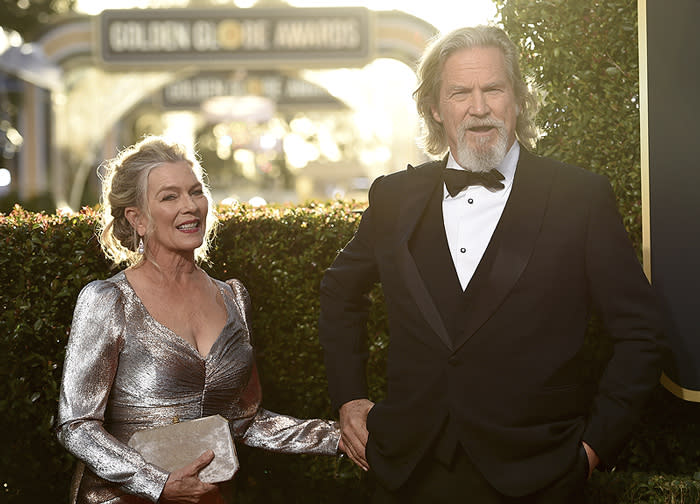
(482, 157)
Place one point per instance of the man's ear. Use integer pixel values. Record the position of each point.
(436, 114)
(136, 219)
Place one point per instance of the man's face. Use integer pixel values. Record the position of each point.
(477, 107)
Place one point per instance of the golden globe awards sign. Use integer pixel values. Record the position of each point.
(284, 90)
(251, 37)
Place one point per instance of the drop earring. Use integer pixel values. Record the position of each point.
(140, 249)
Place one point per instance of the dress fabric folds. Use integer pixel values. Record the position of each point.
(124, 372)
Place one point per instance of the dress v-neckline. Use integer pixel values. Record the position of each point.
(176, 336)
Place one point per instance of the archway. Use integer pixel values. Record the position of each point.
(78, 107)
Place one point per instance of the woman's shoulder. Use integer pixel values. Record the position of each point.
(103, 289)
(237, 291)
(100, 301)
(233, 285)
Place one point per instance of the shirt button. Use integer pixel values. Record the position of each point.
(470, 200)
(462, 250)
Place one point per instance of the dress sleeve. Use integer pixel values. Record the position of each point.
(286, 434)
(260, 428)
(92, 358)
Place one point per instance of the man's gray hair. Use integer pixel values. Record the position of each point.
(434, 140)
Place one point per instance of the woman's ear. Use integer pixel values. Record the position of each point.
(136, 219)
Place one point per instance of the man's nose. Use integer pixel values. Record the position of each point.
(479, 105)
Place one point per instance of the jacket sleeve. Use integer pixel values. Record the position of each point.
(345, 309)
(630, 311)
(92, 358)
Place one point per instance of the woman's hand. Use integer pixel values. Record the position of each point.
(185, 487)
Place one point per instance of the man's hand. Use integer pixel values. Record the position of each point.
(593, 459)
(353, 430)
(184, 485)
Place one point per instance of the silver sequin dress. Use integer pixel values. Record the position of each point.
(125, 372)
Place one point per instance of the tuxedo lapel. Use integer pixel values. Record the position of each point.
(511, 246)
(419, 185)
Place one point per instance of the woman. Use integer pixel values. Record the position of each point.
(162, 341)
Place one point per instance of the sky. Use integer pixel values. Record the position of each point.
(440, 13)
(445, 15)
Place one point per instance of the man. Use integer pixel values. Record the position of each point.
(488, 290)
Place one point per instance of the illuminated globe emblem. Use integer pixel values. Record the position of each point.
(229, 34)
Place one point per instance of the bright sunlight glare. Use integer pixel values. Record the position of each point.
(445, 15)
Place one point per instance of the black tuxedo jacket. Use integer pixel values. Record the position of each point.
(508, 370)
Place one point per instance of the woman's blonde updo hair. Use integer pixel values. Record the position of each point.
(125, 184)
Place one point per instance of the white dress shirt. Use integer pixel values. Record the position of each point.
(471, 216)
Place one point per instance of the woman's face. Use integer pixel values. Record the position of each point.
(178, 208)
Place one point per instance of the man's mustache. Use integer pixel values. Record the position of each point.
(488, 122)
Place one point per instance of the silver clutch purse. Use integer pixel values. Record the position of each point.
(174, 446)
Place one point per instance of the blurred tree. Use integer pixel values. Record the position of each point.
(583, 57)
(29, 17)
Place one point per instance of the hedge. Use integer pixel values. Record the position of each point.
(584, 59)
(280, 254)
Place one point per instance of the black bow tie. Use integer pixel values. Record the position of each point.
(456, 180)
